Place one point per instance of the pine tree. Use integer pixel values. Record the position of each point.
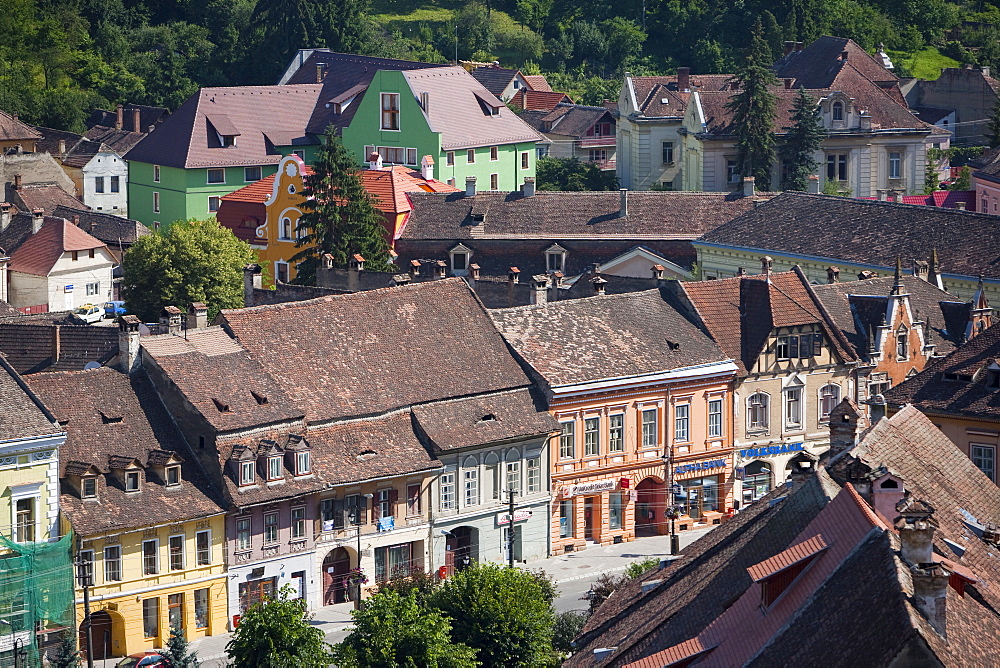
(994, 137)
(176, 650)
(804, 138)
(66, 655)
(753, 110)
(338, 217)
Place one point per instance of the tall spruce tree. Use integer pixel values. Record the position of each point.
(753, 110)
(338, 216)
(993, 139)
(803, 139)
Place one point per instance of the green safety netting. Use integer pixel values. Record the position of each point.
(36, 595)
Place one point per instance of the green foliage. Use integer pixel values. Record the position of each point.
(834, 188)
(571, 174)
(177, 652)
(964, 180)
(276, 634)
(641, 567)
(395, 630)
(419, 584)
(67, 655)
(193, 261)
(803, 139)
(568, 626)
(500, 612)
(994, 137)
(338, 216)
(753, 109)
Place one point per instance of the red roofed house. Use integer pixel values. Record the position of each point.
(56, 266)
(266, 213)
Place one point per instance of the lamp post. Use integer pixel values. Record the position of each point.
(85, 577)
(669, 498)
(20, 654)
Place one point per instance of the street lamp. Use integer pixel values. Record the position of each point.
(20, 654)
(669, 511)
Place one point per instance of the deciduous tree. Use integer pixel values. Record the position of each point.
(571, 174)
(276, 633)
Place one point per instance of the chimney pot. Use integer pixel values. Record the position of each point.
(882, 194)
(319, 73)
(513, 275)
(440, 269)
(17, 182)
(470, 186)
(683, 79)
(599, 283)
(529, 186)
(62, 147)
(425, 101)
(414, 269)
(37, 218)
(916, 526)
(197, 316)
(427, 168)
(833, 274)
(5, 211)
(622, 202)
(474, 271)
(765, 265)
(375, 161)
(540, 286)
(748, 186)
(128, 342)
(658, 270)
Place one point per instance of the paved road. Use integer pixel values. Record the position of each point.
(574, 573)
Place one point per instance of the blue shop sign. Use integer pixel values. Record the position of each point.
(751, 453)
(701, 466)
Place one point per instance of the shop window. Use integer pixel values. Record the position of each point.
(616, 505)
(566, 524)
(201, 608)
(395, 562)
(175, 611)
(756, 481)
(255, 591)
(150, 617)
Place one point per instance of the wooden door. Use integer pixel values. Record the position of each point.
(335, 566)
(100, 633)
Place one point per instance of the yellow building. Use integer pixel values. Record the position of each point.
(146, 518)
(16, 136)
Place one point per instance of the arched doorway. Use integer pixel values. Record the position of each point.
(649, 507)
(336, 564)
(757, 482)
(101, 627)
(461, 548)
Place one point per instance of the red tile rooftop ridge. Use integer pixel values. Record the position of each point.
(787, 558)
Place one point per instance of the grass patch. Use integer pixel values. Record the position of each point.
(428, 14)
(925, 63)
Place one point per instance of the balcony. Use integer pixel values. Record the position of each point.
(607, 141)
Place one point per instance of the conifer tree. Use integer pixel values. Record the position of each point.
(753, 111)
(176, 650)
(804, 138)
(338, 216)
(994, 137)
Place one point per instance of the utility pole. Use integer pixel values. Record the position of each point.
(85, 576)
(669, 500)
(510, 527)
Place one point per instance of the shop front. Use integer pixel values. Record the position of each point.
(702, 492)
(597, 511)
(759, 470)
(254, 582)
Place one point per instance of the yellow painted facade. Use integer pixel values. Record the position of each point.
(135, 612)
(29, 475)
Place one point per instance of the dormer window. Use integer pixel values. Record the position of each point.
(131, 481)
(777, 574)
(993, 377)
(460, 255)
(303, 463)
(902, 350)
(555, 259)
(274, 468)
(173, 476)
(838, 111)
(88, 488)
(246, 473)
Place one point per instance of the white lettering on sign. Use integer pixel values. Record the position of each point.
(590, 487)
(519, 515)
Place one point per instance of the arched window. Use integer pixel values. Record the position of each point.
(758, 407)
(470, 481)
(491, 478)
(838, 111)
(902, 349)
(829, 397)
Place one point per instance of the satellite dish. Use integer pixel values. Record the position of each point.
(91, 365)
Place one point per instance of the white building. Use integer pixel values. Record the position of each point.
(105, 177)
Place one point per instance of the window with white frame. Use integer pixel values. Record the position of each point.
(616, 432)
(274, 468)
(303, 463)
(591, 436)
(89, 487)
(650, 428)
(131, 481)
(447, 483)
(470, 156)
(449, 158)
(116, 184)
(413, 500)
(173, 475)
(156, 173)
(829, 397)
(668, 152)
(25, 520)
(175, 550)
(494, 182)
(281, 271)
(534, 466)
(384, 501)
(216, 176)
(984, 457)
(902, 347)
(838, 111)
(251, 174)
(513, 471)
(203, 548)
(113, 563)
(567, 440)
(758, 411)
(246, 473)
(895, 164)
(714, 418)
(285, 230)
(470, 481)
(390, 111)
(494, 153)
(93, 289)
(682, 423)
(732, 173)
(270, 528)
(836, 167)
(150, 557)
(793, 407)
(98, 184)
(298, 522)
(156, 202)
(243, 540)
(214, 203)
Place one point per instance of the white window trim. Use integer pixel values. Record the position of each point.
(399, 112)
(106, 561)
(156, 173)
(494, 150)
(722, 416)
(183, 553)
(287, 266)
(246, 180)
(563, 421)
(291, 523)
(767, 413)
(215, 183)
(244, 467)
(785, 393)
(156, 556)
(210, 555)
(156, 202)
(298, 458)
(640, 409)
(819, 399)
(677, 406)
(984, 446)
(138, 479)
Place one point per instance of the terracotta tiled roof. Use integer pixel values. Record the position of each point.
(572, 120)
(659, 97)
(186, 139)
(22, 414)
(11, 129)
(494, 78)
(353, 355)
(614, 336)
(818, 65)
(866, 232)
(461, 423)
(539, 100)
(109, 228)
(107, 414)
(33, 345)
(538, 82)
(39, 252)
(787, 558)
(47, 197)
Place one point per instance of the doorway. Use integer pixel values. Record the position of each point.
(100, 629)
(335, 568)
(461, 549)
(590, 510)
(649, 507)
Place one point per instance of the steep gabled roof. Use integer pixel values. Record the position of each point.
(818, 65)
(538, 82)
(572, 120)
(12, 129)
(538, 100)
(109, 228)
(148, 117)
(47, 197)
(22, 414)
(494, 78)
(39, 252)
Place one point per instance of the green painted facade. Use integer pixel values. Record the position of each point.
(182, 193)
(416, 137)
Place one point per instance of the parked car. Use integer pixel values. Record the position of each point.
(114, 309)
(89, 313)
(146, 659)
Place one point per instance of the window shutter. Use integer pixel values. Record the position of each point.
(376, 509)
(340, 520)
(393, 499)
(362, 508)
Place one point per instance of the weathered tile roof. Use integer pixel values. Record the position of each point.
(740, 313)
(818, 65)
(7, 310)
(119, 141)
(188, 138)
(659, 97)
(47, 197)
(12, 129)
(353, 355)
(613, 336)
(538, 82)
(22, 414)
(866, 232)
(113, 230)
(148, 116)
(462, 423)
(230, 389)
(929, 390)
(858, 306)
(110, 415)
(32, 344)
(538, 99)
(988, 165)
(39, 252)
(494, 78)
(571, 120)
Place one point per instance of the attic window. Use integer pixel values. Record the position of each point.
(110, 419)
(246, 473)
(259, 398)
(131, 481)
(489, 417)
(173, 477)
(778, 573)
(274, 468)
(223, 408)
(88, 488)
(303, 463)
(957, 377)
(365, 455)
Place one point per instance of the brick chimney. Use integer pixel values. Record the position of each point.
(37, 219)
(788, 84)
(170, 319)
(599, 283)
(843, 56)
(470, 186)
(748, 186)
(6, 209)
(197, 316)
(252, 280)
(622, 202)
(128, 342)
(684, 79)
(136, 121)
(930, 593)
(844, 422)
(916, 526)
(17, 182)
(529, 186)
(882, 195)
(833, 274)
(540, 286)
(119, 117)
(319, 73)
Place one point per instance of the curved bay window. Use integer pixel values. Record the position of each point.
(757, 482)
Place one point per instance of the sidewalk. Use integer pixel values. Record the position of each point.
(565, 569)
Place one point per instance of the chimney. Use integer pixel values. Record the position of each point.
(128, 343)
(934, 270)
(623, 202)
(197, 316)
(657, 270)
(414, 269)
(788, 84)
(401, 279)
(37, 219)
(920, 269)
(886, 492)
(684, 79)
(734, 85)
(251, 281)
(355, 265)
(5, 213)
(76, 220)
(327, 260)
(427, 168)
(375, 161)
(788, 48)
(915, 525)
(135, 121)
(960, 206)
(474, 270)
(865, 120)
(470, 186)
(513, 275)
(844, 423)
(599, 283)
(62, 147)
(930, 593)
(119, 118)
(833, 274)
(56, 343)
(741, 271)
(319, 72)
(425, 101)
(529, 186)
(843, 56)
(813, 184)
(17, 182)
(765, 266)
(985, 71)
(882, 195)
(540, 286)
(440, 269)
(748, 189)
(170, 318)
(3, 278)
